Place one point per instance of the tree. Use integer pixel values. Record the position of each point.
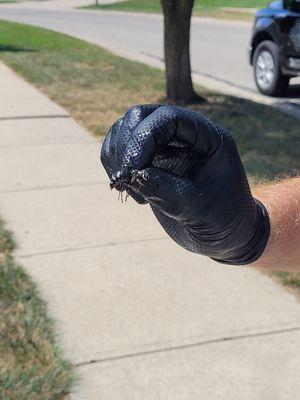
(177, 23)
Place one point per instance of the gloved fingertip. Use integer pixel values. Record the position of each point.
(144, 182)
(137, 197)
(156, 186)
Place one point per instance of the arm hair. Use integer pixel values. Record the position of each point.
(282, 201)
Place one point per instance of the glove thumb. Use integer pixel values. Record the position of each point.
(173, 195)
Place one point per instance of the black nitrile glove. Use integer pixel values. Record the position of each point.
(188, 169)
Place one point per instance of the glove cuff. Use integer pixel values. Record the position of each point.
(257, 244)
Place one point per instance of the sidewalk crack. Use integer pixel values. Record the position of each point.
(92, 246)
(51, 187)
(187, 346)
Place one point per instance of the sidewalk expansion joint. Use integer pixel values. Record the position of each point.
(35, 117)
(51, 187)
(89, 247)
(86, 141)
(187, 346)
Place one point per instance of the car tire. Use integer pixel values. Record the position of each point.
(266, 67)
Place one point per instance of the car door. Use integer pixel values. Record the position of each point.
(290, 28)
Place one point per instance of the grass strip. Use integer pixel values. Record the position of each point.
(155, 5)
(204, 8)
(97, 87)
(31, 364)
(289, 279)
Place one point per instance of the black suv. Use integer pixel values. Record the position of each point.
(275, 46)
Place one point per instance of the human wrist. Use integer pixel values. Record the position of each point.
(282, 200)
(254, 247)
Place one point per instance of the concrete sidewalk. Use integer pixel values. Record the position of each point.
(139, 317)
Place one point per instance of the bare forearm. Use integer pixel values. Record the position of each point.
(282, 201)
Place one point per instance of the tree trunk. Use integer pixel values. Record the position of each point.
(177, 22)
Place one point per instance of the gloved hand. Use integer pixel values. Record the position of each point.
(188, 169)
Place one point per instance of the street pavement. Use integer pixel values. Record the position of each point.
(139, 317)
(57, 5)
(219, 48)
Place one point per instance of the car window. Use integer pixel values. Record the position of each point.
(276, 5)
(292, 5)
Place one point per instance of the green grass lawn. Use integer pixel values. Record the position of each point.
(97, 87)
(31, 366)
(231, 3)
(155, 5)
(206, 8)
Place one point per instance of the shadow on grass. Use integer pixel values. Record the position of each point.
(16, 49)
(268, 140)
(294, 91)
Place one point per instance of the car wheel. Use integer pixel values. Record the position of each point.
(268, 77)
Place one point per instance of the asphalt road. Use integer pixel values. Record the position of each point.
(218, 47)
